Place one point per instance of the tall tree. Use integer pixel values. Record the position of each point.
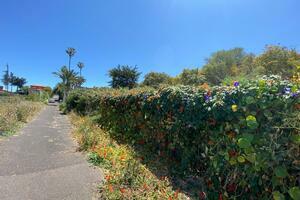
(19, 82)
(71, 52)
(80, 65)
(279, 60)
(124, 76)
(223, 64)
(155, 79)
(79, 80)
(191, 77)
(68, 79)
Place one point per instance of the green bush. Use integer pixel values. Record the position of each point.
(235, 137)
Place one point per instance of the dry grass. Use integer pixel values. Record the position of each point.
(15, 111)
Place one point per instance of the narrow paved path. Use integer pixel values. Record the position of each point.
(41, 162)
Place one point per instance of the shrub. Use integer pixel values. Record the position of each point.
(234, 137)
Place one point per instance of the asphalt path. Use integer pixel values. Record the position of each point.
(41, 162)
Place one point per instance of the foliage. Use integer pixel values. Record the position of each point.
(80, 65)
(230, 64)
(191, 77)
(279, 60)
(125, 175)
(156, 79)
(14, 111)
(19, 82)
(232, 136)
(124, 76)
(71, 52)
(40, 97)
(225, 63)
(58, 90)
(68, 80)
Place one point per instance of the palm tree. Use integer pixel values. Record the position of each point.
(80, 65)
(71, 52)
(68, 79)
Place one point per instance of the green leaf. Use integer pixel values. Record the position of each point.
(244, 143)
(296, 138)
(250, 100)
(251, 122)
(248, 136)
(294, 89)
(232, 161)
(278, 196)
(250, 157)
(281, 172)
(241, 159)
(294, 192)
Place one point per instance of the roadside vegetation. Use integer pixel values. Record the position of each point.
(220, 142)
(126, 175)
(229, 130)
(15, 111)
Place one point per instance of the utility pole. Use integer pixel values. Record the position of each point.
(6, 78)
(7, 75)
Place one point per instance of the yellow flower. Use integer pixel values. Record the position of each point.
(234, 108)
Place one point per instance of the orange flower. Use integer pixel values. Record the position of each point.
(122, 157)
(107, 178)
(145, 186)
(176, 194)
(210, 142)
(104, 154)
(110, 188)
(122, 190)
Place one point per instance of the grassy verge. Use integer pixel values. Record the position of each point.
(15, 111)
(126, 175)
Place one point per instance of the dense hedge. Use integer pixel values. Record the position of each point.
(236, 137)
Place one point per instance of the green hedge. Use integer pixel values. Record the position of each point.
(236, 137)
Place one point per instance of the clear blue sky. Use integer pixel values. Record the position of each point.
(156, 35)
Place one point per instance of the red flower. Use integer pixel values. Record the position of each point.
(212, 121)
(220, 196)
(209, 183)
(231, 187)
(232, 153)
(202, 195)
(141, 142)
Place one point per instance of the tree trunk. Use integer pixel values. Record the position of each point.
(69, 63)
(65, 96)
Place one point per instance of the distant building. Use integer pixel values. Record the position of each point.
(36, 89)
(1, 89)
